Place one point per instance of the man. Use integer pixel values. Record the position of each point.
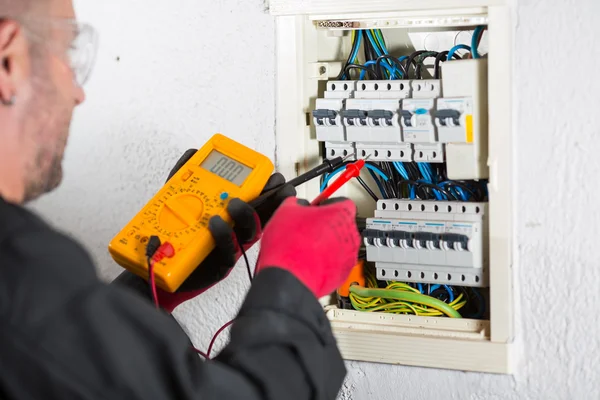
(66, 335)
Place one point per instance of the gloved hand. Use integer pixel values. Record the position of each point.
(219, 263)
(317, 244)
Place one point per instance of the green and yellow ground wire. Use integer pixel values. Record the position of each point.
(400, 298)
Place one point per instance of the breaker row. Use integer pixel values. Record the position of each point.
(392, 118)
(420, 120)
(429, 242)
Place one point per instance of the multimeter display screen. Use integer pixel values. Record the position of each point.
(227, 168)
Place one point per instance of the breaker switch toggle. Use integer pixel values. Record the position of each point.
(448, 117)
(355, 117)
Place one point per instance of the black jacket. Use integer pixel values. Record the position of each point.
(66, 335)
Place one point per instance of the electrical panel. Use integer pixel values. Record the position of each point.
(422, 93)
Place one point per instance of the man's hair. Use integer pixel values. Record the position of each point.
(15, 8)
(18, 9)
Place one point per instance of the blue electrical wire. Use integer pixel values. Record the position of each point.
(380, 40)
(369, 63)
(423, 172)
(396, 70)
(401, 169)
(450, 292)
(437, 193)
(379, 50)
(359, 41)
(474, 43)
(354, 56)
(375, 44)
(448, 289)
(455, 48)
(433, 176)
(420, 287)
(331, 175)
(426, 172)
(464, 196)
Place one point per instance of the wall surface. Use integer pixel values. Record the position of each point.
(169, 76)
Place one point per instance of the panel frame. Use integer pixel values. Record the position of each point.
(298, 151)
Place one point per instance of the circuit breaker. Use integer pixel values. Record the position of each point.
(419, 128)
(328, 113)
(462, 118)
(372, 116)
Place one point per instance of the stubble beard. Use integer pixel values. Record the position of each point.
(48, 135)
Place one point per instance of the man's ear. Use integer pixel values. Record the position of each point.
(14, 54)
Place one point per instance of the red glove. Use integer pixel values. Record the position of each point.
(317, 244)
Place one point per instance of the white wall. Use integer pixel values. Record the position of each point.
(173, 87)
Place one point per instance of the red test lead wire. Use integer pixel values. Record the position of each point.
(166, 250)
(153, 283)
(352, 171)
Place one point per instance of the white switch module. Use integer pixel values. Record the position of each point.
(372, 116)
(417, 121)
(462, 118)
(385, 151)
(454, 120)
(426, 88)
(418, 127)
(344, 149)
(327, 114)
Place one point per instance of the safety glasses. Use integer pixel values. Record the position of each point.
(74, 42)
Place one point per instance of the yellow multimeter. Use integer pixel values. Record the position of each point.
(179, 213)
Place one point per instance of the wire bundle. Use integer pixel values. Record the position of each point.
(373, 170)
(426, 182)
(402, 298)
(379, 64)
(398, 180)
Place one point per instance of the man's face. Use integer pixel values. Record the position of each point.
(53, 95)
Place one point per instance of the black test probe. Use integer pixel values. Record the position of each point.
(328, 166)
